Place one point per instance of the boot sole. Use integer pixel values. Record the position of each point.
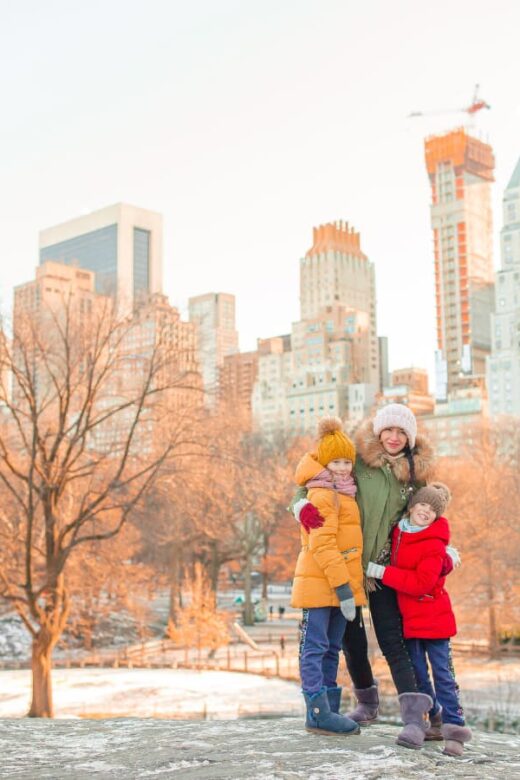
(333, 733)
(368, 722)
(434, 739)
(405, 744)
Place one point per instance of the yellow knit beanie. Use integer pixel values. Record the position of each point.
(333, 442)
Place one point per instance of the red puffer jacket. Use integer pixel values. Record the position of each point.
(415, 573)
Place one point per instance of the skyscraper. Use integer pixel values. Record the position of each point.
(55, 308)
(237, 377)
(269, 399)
(460, 169)
(214, 316)
(335, 272)
(122, 244)
(330, 362)
(504, 363)
(5, 369)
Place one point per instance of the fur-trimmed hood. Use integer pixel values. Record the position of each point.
(371, 452)
(308, 468)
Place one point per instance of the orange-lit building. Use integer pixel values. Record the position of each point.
(270, 389)
(214, 317)
(335, 272)
(409, 386)
(61, 298)
(5, 369)
(237, 378)
(460, 169)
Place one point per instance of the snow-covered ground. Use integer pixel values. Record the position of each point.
(154, 693)
(15, 642)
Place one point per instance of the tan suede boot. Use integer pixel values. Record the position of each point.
(434, 732)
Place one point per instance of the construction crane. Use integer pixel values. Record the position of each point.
(476, 105)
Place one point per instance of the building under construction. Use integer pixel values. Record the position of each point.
(460, 168)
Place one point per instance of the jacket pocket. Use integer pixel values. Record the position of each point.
(351, 554)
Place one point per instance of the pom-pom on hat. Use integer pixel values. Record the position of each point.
(333, 442)
(436, 494)
(396, 416)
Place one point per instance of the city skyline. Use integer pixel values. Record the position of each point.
(244, 154)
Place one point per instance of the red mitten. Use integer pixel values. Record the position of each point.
(447, 566)
(310, 517)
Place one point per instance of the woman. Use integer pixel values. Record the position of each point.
(392, 462)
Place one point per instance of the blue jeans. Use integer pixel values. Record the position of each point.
(322, 630)
(444, 691)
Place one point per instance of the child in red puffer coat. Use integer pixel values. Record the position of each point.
(419, 544)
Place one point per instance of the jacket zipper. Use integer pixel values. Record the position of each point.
(397, 547)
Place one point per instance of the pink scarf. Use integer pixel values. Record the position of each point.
(326, 479)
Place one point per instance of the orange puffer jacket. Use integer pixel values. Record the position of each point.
(330, 555)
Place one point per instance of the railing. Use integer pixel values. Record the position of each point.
(236, 656)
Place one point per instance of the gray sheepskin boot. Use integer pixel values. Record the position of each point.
(367, 705)
(434, 732)
(414, 713)
(454, 738)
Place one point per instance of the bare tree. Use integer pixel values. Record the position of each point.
(97, 406)
(483, 520)
(199, 623)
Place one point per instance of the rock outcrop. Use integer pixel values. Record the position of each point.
(277, 749)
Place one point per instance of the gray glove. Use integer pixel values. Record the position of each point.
(346, 601)
(375, 570)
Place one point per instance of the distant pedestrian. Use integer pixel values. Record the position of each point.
(271, 610)
(418, 550)
(282, 644)
(281, 611)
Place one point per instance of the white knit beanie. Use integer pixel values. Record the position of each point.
(396, 416)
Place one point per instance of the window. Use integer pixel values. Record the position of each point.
(141, 261)
(95, 251)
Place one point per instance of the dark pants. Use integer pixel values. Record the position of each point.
(444, 691)
(388, 628)
(322, 630)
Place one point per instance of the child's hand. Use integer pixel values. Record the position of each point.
(307, 514)
(375, 570)
(454, 555)
(447, 566)
(346, 601)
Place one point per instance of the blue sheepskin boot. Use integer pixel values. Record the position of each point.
(321, 720)
(334, 697)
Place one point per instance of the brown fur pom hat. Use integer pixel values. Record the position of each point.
(436, 494)
(333, 442)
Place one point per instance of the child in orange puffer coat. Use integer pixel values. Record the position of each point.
(328, 582)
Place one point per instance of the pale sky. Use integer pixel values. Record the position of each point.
(246, 123)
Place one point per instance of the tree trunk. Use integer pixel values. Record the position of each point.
(492, 618)
(41, 703)
(175, 587)
(249, 612)
(214, 567)
(492, 624)
(265, 572)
